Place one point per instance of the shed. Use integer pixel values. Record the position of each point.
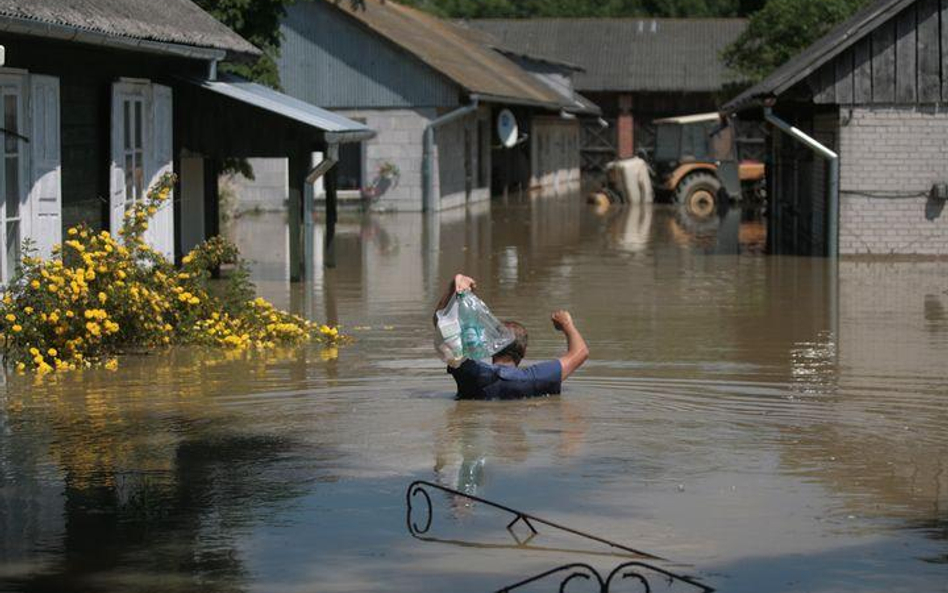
(635, 69)
(431, 88)
(100, 97)
(873, 95)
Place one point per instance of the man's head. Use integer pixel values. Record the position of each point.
(517, 349)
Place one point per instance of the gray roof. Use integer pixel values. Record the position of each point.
(452, 50)
(625, 54)
(179, 22)
(338, 128)
(839, 38)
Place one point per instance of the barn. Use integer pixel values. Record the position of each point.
(435, 93)
(858, 163)
(636, 70)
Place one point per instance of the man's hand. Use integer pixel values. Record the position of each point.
(562, 320)
(576, 350)
(459, 283)
(462, 283)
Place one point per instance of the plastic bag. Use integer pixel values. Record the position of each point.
(467, 329)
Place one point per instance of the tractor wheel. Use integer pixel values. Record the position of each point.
(698, 193)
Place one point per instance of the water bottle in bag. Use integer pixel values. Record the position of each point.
(467, 329)
(472, 332)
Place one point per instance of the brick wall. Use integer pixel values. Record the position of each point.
(398, 141)
(893, 154)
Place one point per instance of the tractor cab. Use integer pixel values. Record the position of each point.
(695, 162)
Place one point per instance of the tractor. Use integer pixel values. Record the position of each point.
(695, 162)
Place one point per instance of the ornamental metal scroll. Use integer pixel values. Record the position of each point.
(646, 576)
(417, 491)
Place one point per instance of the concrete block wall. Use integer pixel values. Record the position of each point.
(268, 190)
(889, 159)
(398, 141)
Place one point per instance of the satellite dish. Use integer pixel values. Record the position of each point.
(507, 128)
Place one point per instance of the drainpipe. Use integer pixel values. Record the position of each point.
(429, 196)
(330, 158)
(833, 161)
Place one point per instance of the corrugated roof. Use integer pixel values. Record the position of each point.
(626, 54)
(168, 21)
(454, 51)
(840, 37)
(341, 128)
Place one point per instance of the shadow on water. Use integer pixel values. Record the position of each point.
(761, 419)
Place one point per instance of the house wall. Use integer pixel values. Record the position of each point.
(86, 75)
(329, 59)
(555, 153)
(890, 157)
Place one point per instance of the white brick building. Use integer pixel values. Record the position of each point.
(875, 91)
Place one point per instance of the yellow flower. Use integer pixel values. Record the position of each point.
(10, 317)
(52, 288)
(35, 284)
(28, 310)
(17, 328)
(111, 364)
(20, 367)
(72, 232)
(34, 352)
(102, 297)
(52, 352)
(187, 258)
(120, 274)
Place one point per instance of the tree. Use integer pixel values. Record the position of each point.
(257, 21)
(780, 30)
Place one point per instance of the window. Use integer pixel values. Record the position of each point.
(11, 175)
(133, 149)
(349, 169)
(350, 172)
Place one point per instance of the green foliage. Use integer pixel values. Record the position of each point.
(782, 29)
(586, 8)
(257, 21)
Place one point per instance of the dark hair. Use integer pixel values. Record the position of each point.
(518, 348)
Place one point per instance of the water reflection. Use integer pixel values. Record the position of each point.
(741, 414)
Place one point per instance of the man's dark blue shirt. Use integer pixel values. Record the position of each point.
(482, 380)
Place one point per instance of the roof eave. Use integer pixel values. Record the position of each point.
(781, 81)
(23, 26)
(488, 98)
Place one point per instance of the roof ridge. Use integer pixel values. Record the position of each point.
(603, 18)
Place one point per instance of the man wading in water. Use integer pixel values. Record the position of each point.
(503, 379)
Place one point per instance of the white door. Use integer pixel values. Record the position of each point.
(142, 147)
(45, 197)
(14, 208)
(129, 143)
(161, 229)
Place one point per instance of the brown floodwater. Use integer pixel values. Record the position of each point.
(763, 423)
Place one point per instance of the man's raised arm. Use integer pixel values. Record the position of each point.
(459, 283)
(576, 350)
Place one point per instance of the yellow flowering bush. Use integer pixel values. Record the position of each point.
(101, 295)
